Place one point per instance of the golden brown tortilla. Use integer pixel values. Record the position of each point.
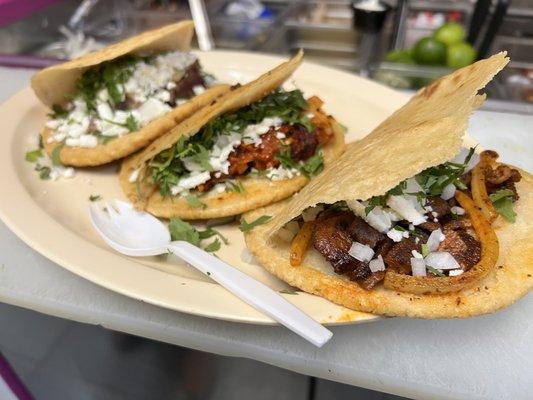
(52, 84)
(425, 132)
(258, 191)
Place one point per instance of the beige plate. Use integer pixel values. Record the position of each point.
(52, 217)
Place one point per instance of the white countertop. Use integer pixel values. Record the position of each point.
(488, 357)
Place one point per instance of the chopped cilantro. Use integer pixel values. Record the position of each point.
(288, 291)
(58, 112)
(246, 226)
(213, 246)
(434, 271)
(181, 230)
(44, 171)
(235, 186)
(312, 166)
(195, 201)
(503, 203)
(95, 197)
(131, 124)
(33, 156)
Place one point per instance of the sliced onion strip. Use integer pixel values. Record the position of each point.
(479, 188)
(300, 243)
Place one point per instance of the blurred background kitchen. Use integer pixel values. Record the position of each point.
(402, 43)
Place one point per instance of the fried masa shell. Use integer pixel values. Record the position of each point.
(52, 84)
(426, 132)
(258, 191)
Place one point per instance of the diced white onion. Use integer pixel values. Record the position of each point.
(458, 210)
(455, 272)
(406, 209)
(434, 240)
(395, 235)
(412, 186)
(416, 254)
(442, 260)
(361, 252)
(377, 264)
(448, 192)
(418, 266)
(134, 175)
(378, 218)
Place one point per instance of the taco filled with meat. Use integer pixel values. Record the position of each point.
(409, 222)
(254, 145)
(115, 101)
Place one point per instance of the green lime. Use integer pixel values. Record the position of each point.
(429, 51)
(460, 55)
(400, 56)
(450, 33)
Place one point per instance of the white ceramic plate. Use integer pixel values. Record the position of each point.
(51, 217)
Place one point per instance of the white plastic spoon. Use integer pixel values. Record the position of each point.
(137, 233)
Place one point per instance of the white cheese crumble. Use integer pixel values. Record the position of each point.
(148, 85)
(134, 175)
(190, 182)
(458, 210)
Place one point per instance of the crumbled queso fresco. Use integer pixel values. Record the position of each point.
(149, 86)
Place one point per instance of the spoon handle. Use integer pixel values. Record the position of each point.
(253, 292)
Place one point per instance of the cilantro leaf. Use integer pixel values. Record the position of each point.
(44, 171)
(58, 112)
(288, 291)
(213, 246)
(210, 232)
(246, 226)
(425, 250)
(503, 203)
(235, 186)
(33, 156)
(95, 197)
(195, 201)
(314, 165)
(131, 123)
(181, 230)
(434, 271)
(501, 194)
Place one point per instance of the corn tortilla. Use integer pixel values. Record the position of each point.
(426, 132)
